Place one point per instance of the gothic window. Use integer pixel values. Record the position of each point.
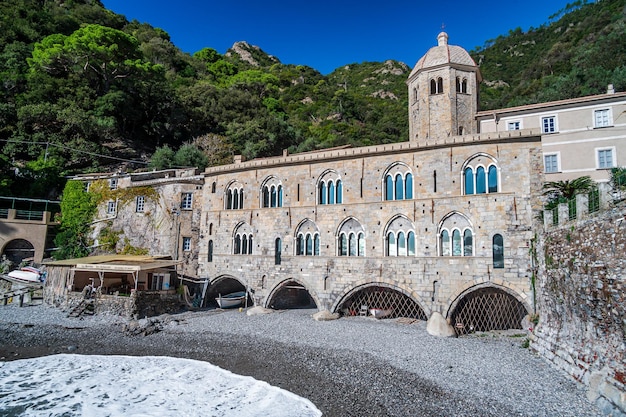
(400, 237)
(433, 87)
(458, 84)
(498, 251)
(351, 239)
(456, 236)
(398, 183)
(271, 193)
(213, 187)
(234, 196)
(464, 86)
(439, 85)
(307, 239)
(243, 240)
(330, 188)
(481, 175)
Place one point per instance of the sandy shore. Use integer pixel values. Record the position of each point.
(346, 367)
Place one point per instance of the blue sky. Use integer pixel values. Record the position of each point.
(326, 34)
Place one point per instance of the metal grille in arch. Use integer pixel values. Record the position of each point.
(382, 302)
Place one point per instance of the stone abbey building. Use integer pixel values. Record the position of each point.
(441, 223)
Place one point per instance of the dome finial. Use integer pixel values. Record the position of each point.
(442, 39)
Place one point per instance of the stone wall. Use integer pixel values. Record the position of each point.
(582, 304)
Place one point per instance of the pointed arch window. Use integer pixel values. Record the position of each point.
(351, 239)
(271, 193)
(480, 176)
(439, 85)
(456, 237)
(398, 184)
(400, 237)
(330, 189)
(307, 239)
(243, 240)
(234, 196)
(433, 87)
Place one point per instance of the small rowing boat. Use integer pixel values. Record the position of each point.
(379, 313)
(28, 276)
(231, 300)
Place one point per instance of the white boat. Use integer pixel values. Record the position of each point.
(231, 300)
(379, 313)
(27, 276)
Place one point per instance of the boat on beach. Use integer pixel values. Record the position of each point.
(231, 300)
(27, 276)
(379, 313)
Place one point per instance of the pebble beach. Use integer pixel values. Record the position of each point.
(356, 366)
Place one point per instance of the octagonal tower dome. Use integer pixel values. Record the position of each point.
(443, 93)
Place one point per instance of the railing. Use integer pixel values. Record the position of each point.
(602, 197)
(29, 215)
(4, 213)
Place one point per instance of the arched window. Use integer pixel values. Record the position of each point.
(456, 237)
(213, 187)
(400, 237)
(481, 186)
(458, 84)
(460, 130)
(210, 254)
(234, 196)
(322, 193)
(278, 250)
(398, 184)
(492, 179)
(415, 95)
(464, 86)
(469, 180)
(307, 239)
(271, 193)
(439, 85)
(433, 87)
(339, 198)
(468, 246)
(330, 188)
(392, 249)
(498, 251)
(210, 229)
(445, 243)
(480, 175)
(408, 186)
(389, 188)
(399, 187)
(351, 239)
(242, 240)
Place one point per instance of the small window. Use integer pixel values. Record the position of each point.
(605, 158)
(112, 207)
(210, 254)
(186, 202)
(139, 204)
(551, 163)
(548, 124)
(602, 118)
(186, 244)
(113, 183)
(498, 251)
(516, 125)
(213, 187)
(278, 250)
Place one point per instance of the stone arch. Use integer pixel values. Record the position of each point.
(409, 303)
(225, 284)
(469, 304)
(17, 250)
(400, 223)
(291, 293)
(485, 162)
(390, 179)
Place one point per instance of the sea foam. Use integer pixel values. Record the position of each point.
(92, 385)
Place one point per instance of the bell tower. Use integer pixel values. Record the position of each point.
(443, 93)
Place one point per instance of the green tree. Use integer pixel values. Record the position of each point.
(189, 155)
(563, 191)
(162, 158)
(78, 208)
